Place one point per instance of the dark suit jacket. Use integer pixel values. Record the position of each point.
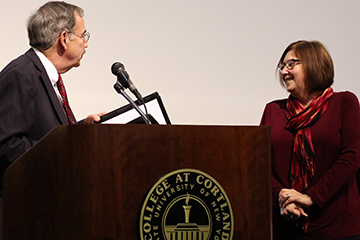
(29, 107)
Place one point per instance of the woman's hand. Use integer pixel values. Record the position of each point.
(287, 196)
(292, 202)
(292, 212)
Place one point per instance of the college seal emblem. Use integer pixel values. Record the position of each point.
(186, 204)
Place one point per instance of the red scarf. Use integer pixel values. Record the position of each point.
(299, 122)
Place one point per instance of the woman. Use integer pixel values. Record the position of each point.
(315, 140)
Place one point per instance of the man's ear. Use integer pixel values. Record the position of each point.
(64, 39)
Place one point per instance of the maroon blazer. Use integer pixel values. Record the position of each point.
(29, 107)
(336, 141)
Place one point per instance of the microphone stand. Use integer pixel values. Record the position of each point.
(120, 89)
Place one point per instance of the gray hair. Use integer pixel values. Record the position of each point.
(47, 23)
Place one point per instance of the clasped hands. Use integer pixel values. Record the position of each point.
(292, 204)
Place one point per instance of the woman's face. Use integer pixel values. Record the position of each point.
(294, 79)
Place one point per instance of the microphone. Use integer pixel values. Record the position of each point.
(118, 69)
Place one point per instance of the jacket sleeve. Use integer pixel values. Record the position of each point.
(16, 114)
(276, 186)
(348, 160)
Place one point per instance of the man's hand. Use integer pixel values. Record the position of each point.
(94, 117)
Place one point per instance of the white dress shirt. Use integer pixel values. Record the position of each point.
(51, 72)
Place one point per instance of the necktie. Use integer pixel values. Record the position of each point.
(61, 87)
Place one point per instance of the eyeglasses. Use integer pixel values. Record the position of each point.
(290, 64)
(85, 35)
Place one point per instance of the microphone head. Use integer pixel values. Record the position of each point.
(116, 67)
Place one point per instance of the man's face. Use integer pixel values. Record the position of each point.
(77, 44)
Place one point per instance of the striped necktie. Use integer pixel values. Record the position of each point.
(61, 87)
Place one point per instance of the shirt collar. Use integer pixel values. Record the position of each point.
(49, 67)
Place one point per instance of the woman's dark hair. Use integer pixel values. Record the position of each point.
(316, 62)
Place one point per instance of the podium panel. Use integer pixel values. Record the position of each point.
(89, 182)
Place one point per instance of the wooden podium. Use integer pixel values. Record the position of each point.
(89, 182)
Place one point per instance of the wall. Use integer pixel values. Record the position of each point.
(213, 62)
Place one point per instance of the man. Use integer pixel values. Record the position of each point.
(30, 102)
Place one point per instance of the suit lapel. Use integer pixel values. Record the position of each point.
(44, 78)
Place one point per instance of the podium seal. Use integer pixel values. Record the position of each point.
(186, 204)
